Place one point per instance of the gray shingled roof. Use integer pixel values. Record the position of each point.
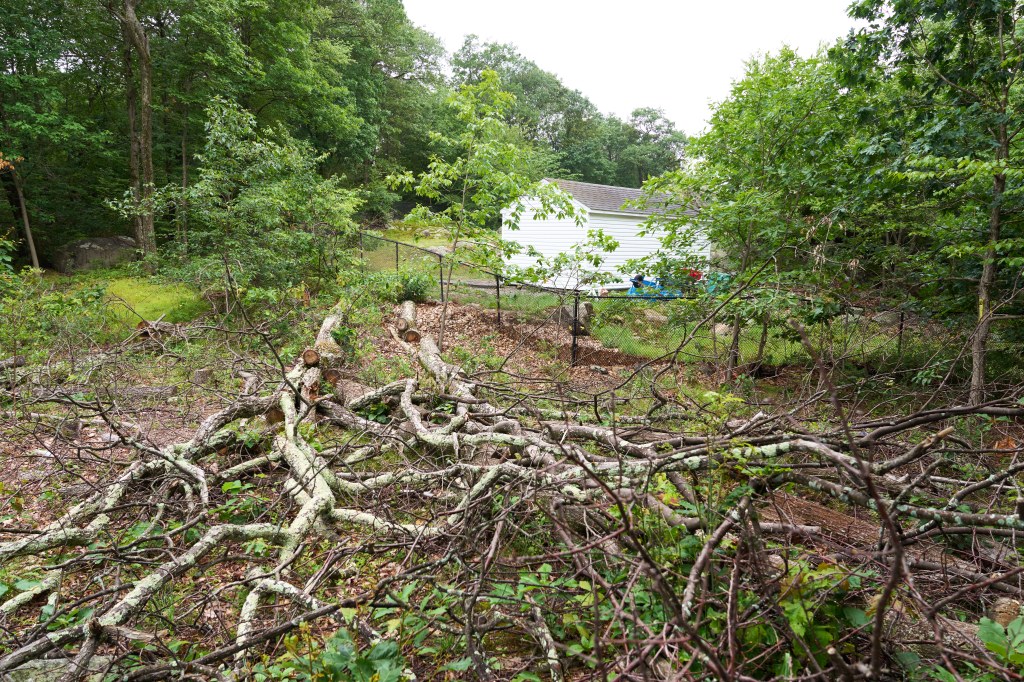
(608, 198)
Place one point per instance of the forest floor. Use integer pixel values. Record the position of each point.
(73, 431)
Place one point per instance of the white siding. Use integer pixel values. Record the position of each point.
(551, 236)
(624, 229)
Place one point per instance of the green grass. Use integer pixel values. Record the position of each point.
(408, 236)
(533, 305)
(153, 300)
(644, 341)
(380, 254)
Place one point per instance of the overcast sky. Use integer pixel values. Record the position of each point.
(676, 55)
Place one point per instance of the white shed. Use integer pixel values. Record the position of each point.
(602, 206)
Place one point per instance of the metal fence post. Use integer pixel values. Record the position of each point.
(362, 250)
(497, 294)
(396, 256)
(575, 327)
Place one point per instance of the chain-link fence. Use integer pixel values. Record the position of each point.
(381, 254)
(618, 329)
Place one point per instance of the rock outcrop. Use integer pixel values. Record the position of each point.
(97, 252)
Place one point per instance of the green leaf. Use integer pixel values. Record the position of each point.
(797, 616)
(908, 660)
(461, 665)
(943, 675)
(231, 486)
(856, 617)
(993, 636)
(1015, 640)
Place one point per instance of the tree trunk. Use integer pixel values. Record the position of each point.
(183, 205)
(24, 220)
(763, 343)
(979, 343)
(131, 98)
(142, 137)
(406, 323)
(15, 199)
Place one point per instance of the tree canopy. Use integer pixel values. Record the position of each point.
(100, 99)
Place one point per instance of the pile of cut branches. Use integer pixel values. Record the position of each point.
(483, 532)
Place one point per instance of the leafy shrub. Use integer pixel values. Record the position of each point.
(403, 285)
(39, 317)
(258, 207)
(6, 258)
(340, 661)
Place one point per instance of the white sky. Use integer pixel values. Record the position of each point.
(676, 55)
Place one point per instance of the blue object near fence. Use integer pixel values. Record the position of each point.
(716, 282)
(652, 288)
(712, 283)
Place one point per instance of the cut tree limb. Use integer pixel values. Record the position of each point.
(13, 361)
(406, 323)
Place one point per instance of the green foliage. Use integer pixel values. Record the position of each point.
(241, 504)
(339, 661)
(406, 284)
(6, 260)
(259, 212)
(42, 317)
(61, 150)
(589, 146)
(1007, 643)
(345, 337)
(958, 65)
(764, 175)
(488, 168)
(378, 412)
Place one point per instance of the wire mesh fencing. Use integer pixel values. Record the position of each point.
(614, 328)
(380, 254)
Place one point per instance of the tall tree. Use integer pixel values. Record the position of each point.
(489, 167)
(767, 177)
(653, 146)
(32, 43)
(397, 91)
(586, 144)
(962, 61)
(138, 64)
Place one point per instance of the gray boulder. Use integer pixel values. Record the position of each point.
(888, 318)
(97, 252)
(654, 318)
